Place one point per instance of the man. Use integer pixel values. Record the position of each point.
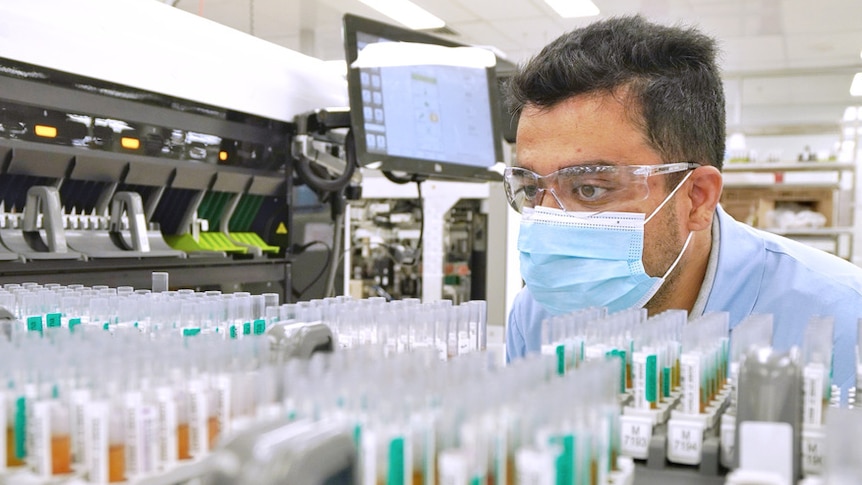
(620, 144)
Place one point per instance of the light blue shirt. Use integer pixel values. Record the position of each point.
(756, 272)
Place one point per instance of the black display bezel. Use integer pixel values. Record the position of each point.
(354, 26)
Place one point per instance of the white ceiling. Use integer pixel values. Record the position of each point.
(787, 64)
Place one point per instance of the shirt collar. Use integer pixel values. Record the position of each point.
(711, 268)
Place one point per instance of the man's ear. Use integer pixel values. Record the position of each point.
(704, 193)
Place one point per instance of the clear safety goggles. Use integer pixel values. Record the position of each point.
(589, 188)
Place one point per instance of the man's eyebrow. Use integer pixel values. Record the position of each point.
(590, 163)
(580, 163)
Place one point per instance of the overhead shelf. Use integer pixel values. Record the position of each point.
(755, 192)
(787, 166)
(780, 185)
(810, 231)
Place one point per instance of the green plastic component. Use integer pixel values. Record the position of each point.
(212, 206)
(246, 210)
(209, 241)
(252, 239)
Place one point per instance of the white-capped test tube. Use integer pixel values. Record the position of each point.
(7, 301)
(692, 371)
(479, 319)
(71, 310)
(242, 316)
(271, 307)
(842, 456)
(753, 331)
(817, 369)
(160, 281)
(859, 359)
(258, 314)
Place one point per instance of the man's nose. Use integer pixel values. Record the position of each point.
(547, 198)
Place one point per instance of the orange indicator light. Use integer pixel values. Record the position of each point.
(45, 131)
(130, 143)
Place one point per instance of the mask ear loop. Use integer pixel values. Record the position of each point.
(690, 234)
(669, 196)
(678, 256)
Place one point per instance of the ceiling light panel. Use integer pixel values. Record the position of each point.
(573, 8)
(407, 13)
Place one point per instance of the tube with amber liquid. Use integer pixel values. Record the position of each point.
(116, 446)
(61, 440)
(213, 428)
(183, 431)
(14, 431)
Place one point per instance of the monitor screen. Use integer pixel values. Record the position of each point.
(440, 121)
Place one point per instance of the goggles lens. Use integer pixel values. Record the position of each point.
(591, 188)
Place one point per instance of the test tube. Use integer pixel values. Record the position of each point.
(769, 388)
(859, 358)
(842, 457)
(116, 446)
(480, 314)
(817, 369)
(160, 281)
(61, 439)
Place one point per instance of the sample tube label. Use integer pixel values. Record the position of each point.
(369, 457)
(639, 380)
(148, 429)
(685, 441)
(534, 467)
(814, 375)
(223, 390)
(79, 400)
(198, 414)
(501, 447)
(454, 468)
(635, 435)
(4, 445)
(96, 429)
(167, 427)
(39, 454)
(690, 383)
(134, 432)
(27, 430)
(813, 446)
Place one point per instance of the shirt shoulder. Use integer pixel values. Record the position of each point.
(524, 327)
(757, 268)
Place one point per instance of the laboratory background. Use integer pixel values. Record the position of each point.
(267, 241)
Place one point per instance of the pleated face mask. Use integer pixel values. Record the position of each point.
(575, 260)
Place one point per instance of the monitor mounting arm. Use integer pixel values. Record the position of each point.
(325, 127)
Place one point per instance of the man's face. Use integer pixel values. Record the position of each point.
(597, 129)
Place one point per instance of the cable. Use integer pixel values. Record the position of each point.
(395, 179)
(301, 249)
(323, 184)
(359, 248)
(417, 253)
(338, 230)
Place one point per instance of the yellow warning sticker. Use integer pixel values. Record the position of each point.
(281, 229)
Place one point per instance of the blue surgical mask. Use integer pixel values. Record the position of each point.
(575, 260)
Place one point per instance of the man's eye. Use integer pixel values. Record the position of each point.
(530, 191)
(589, 192)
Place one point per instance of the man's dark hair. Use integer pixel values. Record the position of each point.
(670, 74)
